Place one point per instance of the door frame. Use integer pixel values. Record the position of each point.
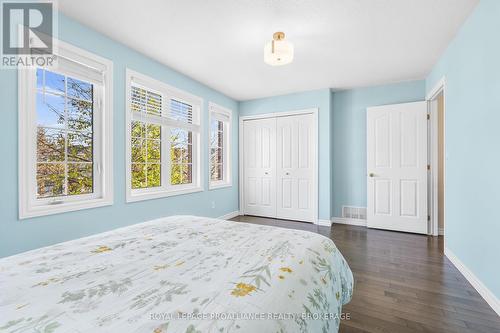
(439, 87)
(314, 112)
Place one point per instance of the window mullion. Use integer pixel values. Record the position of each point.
(66, 140)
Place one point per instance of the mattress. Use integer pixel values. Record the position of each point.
(178, 274)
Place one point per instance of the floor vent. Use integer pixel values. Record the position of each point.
(350, 212)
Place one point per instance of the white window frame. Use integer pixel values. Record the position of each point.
(29, 205)
(167, 92)
(214, 109)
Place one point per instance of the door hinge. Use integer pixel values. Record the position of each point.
(428, 166)
(428, 116)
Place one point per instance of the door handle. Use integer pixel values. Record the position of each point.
(287, 173)
(266, 173)
(371, 174)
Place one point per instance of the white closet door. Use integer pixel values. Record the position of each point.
(296, 163)
(397, 167)
(259, 158)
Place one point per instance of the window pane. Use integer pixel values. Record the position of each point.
(50, 179)
(181, 174)
(143, 100)
(138, 129)
(39, 78)
(153, 175)
(138, 99)
(64, 111)
(54, 83)
(175, 176)
(214, 125)
(181, 111)
(153, 150)
(216, 172)
(138, 151)
(50, 110)
(181, 146)
(80, 178)
(79, 89)
(138, 175)
(79, 115)
(153, 105)
(187, 171)
(79, 147)
(50, 145)
(179, 135)
(153, 131)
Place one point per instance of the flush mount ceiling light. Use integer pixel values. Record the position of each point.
(278, 51)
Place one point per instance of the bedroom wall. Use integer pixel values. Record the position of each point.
(304, 100)
(471, 66)
(17, 236)
(349, 136)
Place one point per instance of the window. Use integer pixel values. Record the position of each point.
(163, 139)
(65, 134)
(219, 146)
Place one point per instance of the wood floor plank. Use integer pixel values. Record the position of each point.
(403, 282)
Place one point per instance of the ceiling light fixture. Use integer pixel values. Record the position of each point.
(278, 51)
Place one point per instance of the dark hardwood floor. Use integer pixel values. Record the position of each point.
(403, 282)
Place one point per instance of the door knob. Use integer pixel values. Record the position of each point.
(287, 173)
(371, 174)
(266, 173)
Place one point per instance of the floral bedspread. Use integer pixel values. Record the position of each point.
(178, 274)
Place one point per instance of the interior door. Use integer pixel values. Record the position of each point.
(295, 167)
(397, 167)
(259, 160)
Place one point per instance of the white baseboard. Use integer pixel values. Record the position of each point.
(343, 220)
(229, 215)
(441, 231)
(324, 223)
(485, 293)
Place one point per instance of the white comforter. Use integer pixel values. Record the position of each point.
(178, 274)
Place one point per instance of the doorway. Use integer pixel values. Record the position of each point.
(437, 157)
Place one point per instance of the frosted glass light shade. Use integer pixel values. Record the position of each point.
(281, 53)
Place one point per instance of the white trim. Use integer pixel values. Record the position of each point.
(433, 157)
(167, 92)
(227, 149)
(162, 194)
(324, 223)
(343, 220)
(314, 112)
(229, 216)
(485, 293)
(436, 89)
(103, 136)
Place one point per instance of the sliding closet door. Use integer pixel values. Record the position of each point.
(296, 164)
(259, 160)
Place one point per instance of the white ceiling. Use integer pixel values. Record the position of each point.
(338, 43)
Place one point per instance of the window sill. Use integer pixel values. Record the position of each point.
(43, 210)
(134, 197)
(216, 186)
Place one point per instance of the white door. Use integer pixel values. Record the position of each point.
(295, 159)
(397, 167)
(259, 160)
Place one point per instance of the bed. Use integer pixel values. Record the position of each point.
(178, 274)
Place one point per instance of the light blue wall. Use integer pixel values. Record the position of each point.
(17, 236)
(310, 99)
(471, 65)
(349, 136)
